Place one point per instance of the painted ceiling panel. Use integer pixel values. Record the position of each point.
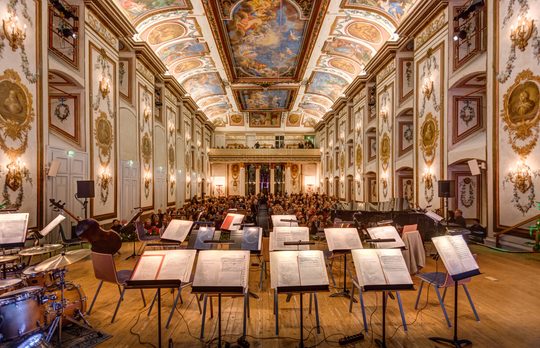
(264, 47)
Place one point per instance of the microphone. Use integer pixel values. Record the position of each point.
(244, 224)
(381, 240)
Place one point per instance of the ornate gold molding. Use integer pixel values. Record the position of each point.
(431, 29)
(103, 32)
(386, 71)
(145, 72)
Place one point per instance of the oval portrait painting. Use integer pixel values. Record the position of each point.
(165, 32)
(13, 103)
(365, 31)
(523, 102)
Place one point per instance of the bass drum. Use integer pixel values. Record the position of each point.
(75, 302)
(21, 312)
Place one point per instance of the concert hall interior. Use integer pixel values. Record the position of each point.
(269, 173)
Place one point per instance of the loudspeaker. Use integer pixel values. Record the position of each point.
(85, 189)
(474, 167)
(446, 188)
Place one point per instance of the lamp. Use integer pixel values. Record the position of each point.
(521, 32)
(428, 179)
(104, 179)
(427, 87)
(172, 182)
(521, 176)
(104, 86)
(17, 171)
(13, 32)
(147, 181)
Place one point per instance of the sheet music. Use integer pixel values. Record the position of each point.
(312, 268)
(148, 267)
(252, 238)
(276, 221)
(342, 238)
(56, 221)
(435, 217)
(385, 232)
(204, 233)
(394, 267)
(177, 230)
(289, 234)
(232, 222)
(381, 267)
(218, 268)
(455, 253)
(13, 228)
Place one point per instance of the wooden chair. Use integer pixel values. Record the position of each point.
(264, 260)
(105, 271)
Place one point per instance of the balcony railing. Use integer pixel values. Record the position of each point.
(264, 155)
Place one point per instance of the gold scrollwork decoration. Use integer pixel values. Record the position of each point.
(146, 149)
(521, 113)
(104, 138)
(429, 134)
(385, 151)
(16, 114)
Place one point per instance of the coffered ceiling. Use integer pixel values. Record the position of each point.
(265, 63)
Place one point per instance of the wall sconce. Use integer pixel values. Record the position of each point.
(17, 171)
(188, 178)
(172, 183)
(104, 180)
(384, 182)
(147, 182)
(199, 180)
(198, 143)
(521, 32)
(146, 113)
(521, 177)
(427, 87)
(188, 136)
(384, 113)
(428, 179)
(104, 86)
(13, 32)
(172, 128)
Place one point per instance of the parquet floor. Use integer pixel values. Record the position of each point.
(507, 297)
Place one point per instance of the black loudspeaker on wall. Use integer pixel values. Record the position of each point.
(446, 188)
(85, 189)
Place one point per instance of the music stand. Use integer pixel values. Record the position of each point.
(13, 230)
(85, 189)
(51, 226)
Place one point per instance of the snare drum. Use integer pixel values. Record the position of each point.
(75, 302)
(7, 285)
(21, 312)
(35, 278)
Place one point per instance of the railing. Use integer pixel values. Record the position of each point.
(511, 228)
(264, 155)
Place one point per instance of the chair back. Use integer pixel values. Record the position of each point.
(448, 282)
(141, 233)
(410, 228)
(104, 267)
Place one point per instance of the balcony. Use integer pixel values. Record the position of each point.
(264, 155)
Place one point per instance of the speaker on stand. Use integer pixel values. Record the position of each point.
(85, 189)
(447, 189)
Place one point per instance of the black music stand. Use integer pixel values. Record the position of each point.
(85, 189)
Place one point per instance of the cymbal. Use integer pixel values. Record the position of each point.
(40, 250)
(63, 260)
(8, 258)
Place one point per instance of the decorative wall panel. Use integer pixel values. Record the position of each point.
(468, 194)
(64, 118)
(20, 112)
(517, 111)
(429, 125)
(385, 129)
(145, 99)
(103, 157)
(171, 155)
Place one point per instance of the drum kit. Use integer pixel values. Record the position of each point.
(38, 304)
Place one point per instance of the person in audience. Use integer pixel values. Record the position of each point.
(459, 219)
(116, 225)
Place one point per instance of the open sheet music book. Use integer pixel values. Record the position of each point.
(381, 269)
(289, 234)
(342, 238)
(156, 265)
(434, 216)
(298, 270)
(13, 228)
(222, 271)
(456, 256)
(204, 233)
(177, 230)
(276, 221)
(232, 222)
(386, 232)
(51, 226)
(252, 238)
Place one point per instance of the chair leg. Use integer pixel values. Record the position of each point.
(332, 272)
(143, 299)
(351, 299)
(175, 302)
(244, 322)
(119, 289)
(310, 301)
(203, 316)
(361, 296)
(118, 304)
(198, 304)
(444, 293)
(211, 307)
(261, 276)
(471, 302)
(317, 313)
(403, 321)
(95, 297)
(419, 293)
(442, 306)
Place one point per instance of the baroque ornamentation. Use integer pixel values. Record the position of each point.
(467, 112)
(100, 29)
(466, 192)
(103, 70)
(521, 179)
(61, 111)
(430, 30)
(429, 69)
(429, 135)
(521, 113)
(385, 151)
(104, 138)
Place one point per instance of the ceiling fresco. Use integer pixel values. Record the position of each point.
(264, 99)
(258, 74)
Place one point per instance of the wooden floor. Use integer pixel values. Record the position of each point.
(507, 297)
